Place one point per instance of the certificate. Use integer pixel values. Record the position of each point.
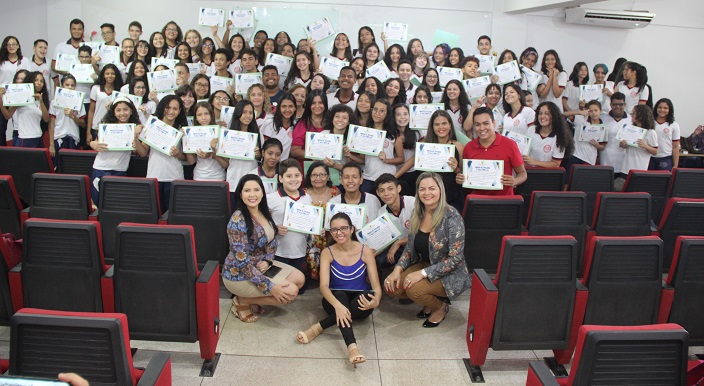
(437, 96)
(64, 61)
(321, 145)
(379, 233)
(320, 29)
(446, 74)
(486, 64)
(162, 81)
(159, 135)
(631, 134)
(420, 115)
(218, 83)
(270, 184)
(189, 119)
(396, 31)
(483, 174)
(524, 142)
(242, 18)
(591, 92)
(531, 79)
(68, 99)
(331, 67)
(83, 73)
(94, 46)
(169, 63)
(379, 71)
(193, 70)
(508, 72)
(588, 132)
(237, 144)
(226, 113)
(282, 63)
(357, 213)
(211, 16)
(136, 100)
(244, 81)
(118, 136)
(18, 94)
(303, 218)
(415, 80)
(198, 138)
(476, 88)
(109, 54)
(432, 157)
(365, 140)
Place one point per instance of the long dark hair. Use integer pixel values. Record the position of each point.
(401, 97)
(388, 119)
(643, 115)
(563, 139)
(130, 73)
(185, 90)
(197, 78)
(409, 136)
(641, 74)
(348, 50)
(387, 55)
(372, 100)
(45, 94)
(380, 91)
(360, 46)
(133, 83)
(111, 118)
(558, 63)
(245, 46)
(430, 136)
(671, 114)
(116, 85)
(409, 52)
(4, 53)
(426, 90)
(574, 76)
(199, 50)
(180, 119)
(237, 114)
(152, 49)
(462, 98)
(328, 124)
(435, 88)
(613, 76)
(190, 52)
(307, 113)
(521, 97)
(278, 117)
(263, 205)
(294, 72)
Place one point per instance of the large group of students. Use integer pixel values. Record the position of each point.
(427, 262)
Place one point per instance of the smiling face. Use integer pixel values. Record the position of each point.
(269, 46)
(363, 104)
(158, 41)
(422, 97)
(183, 52)
(511, 96)
(484, 126)
(237, 43)
(401, 116)
(251, 194)
(351, 179)
(140, 88)
(544, 117)
(529, 60)
(340, 121)
(421, 61)
(599, 74)
(404, 72)
(287, 108)
(372, 54)
(493, 96)
(341, 230)
(550, 61)
(270, 77)
(249, 62)
(319, 177)
(188, 100)
(453, 91)
(302, 62)
(379, 113)
(122, 112)
(317, 107)
(454, 57)
(662, 110)
(441, 128)
(416, 47)
(429, 192)
(220, 99)
(171, 32)
(438, 55)
(365, 36)
(388, 192)
(142, 49)
(281, 39)
(471, 69)
(300, 95)
(392, 89)
(77, 31)
(220, 61)
(484, 46)
(317, 83)
(109, 75)
(395, 55)
(291, 180)
(40, 50)
(346, 79)
(341, 42)
(431, 78)
(370, 86)
(171, 112)
(272, 155)
(247, 117)
(192, 39)
(127, 48)
(202, 86)
(69, 84)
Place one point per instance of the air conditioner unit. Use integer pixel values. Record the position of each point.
(607, 18)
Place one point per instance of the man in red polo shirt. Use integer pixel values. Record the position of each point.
(490, 145)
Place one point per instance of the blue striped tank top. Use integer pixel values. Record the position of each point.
(348, 277)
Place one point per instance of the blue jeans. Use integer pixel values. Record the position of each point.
(29, 142)
(95, 182)
(662, 163)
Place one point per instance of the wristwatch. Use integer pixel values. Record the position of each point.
(423, 273)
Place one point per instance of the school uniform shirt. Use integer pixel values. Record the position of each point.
(65, 48)
(456, 118)
(299, 134)
(27, 120)
(613, 154)
(236, 169)
(149, 107)
(260, 172)
(633, 95)
(285, 135)
(208, 169)
(292, 245)
(234, 67)
(334, 99)
(605, 99)
(112, 160)
(9, 68)
(263, 119)
(667, 133)
(637, 158)
(101, 99)
(571, 94)
(164, 168)
(523, 123)
(403, 220)
(410, 93)
(375, 167)
(65, 126)
(85, 89)
(556, 99)
(45, 69)
(545, 149)
(299, 80)
(584, 150)
(369, 201)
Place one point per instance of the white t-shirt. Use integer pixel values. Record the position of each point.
(65, 126)
(112, 160)
(369, 201)
(456, 118)
(584, 150)
(571, 94)
(45, 69)
(8, 69)
(637, 158)
(150, 108)
(237, 169)
(285, 135)
(556, 99)
(27, 120)
(633, 96)
(667, 133)
(101, 100)
(545, 149)
(403, 221)
(522, 123)
(164, 168)
(374, 166)
(605, 99)
(234, 67)
(292, 245)
(208, 169)
(613, 154)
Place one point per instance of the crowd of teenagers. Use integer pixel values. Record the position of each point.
(427, 262)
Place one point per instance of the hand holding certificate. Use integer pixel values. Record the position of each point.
(483, 174)
(237, 144)
(486, 64)
(320, 29)
(396, 31)
(588, 132)
(211, 16)
(446, 74)
(357, 213)
(117, 137)
(282, 63)
(322, 145)
(226, 113)
(508, 72)
(244, 81)
(160, 136)
(83, 73)
(68, 99)
(433, 157)
(531, 78)
(365, 140)
(109, 54)
(220, 83)
(420, 115)
(242, 18)
(591, 92)
(331, 67)
(523, 141)
(303, 218)
(64, 61)
(162, 81)
(379, 233)
(476, 88)
(631, 134)
(199, 138)
(379, 71)
(18, 94)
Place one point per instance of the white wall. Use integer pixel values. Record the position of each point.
(659, 46)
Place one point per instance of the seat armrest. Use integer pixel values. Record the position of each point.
(485, 280)
(164, 219)
(109, 273)
(94, 215)
(667, 297)
(17, 268)
(209, 269)
(158, 371)
(15, 280)
(539, 374)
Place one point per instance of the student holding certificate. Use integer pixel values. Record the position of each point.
(613, 154)
(316, 108)
(490, 99)
(408, 138)
(207, 167)
(341, 48)
(262, 104)
(268, 170)
(338, 121)
(554, 79)
(347, 271)
(551, 140)
(252, 236)
(28, 118)
(107, 82)
(589, 137)
(638, 157)
(301, 71)
(113, 163)
(668, 132)
(139, 86)
(519, 117)
(166, 168)
(219, 99)
(399, 208)
(571, 103)
(491, 145)
(64, 123)
(281, 127)
(456, 102)
(351, 180)
(432, 266)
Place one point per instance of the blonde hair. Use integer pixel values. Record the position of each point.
(419, 207)
(266, 105)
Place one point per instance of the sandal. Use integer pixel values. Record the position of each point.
(354, 355)
(308, 335)
(243, 312)
(257, 309)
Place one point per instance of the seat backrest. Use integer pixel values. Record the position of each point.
(687, 183)
(155, 276)
(10, 207)
(138, 166)
(6, 309)
(622, 214)
(62, 262)
(544, 179)
(655, 182)
(681, 217)
(624, 277)
(71, 161)
(487, 219)
(591, 179)
(536, 282)
(687, 278)
(21, 163)
(205, 205)
(126, 199)
(44, 343)
(60, 196)
(635, 355)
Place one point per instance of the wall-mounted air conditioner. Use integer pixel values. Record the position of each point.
(607, 18)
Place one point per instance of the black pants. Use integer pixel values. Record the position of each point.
(349, 300)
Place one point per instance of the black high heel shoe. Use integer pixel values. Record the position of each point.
(429, 324)
(423, 315)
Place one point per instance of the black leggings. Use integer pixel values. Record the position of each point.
(349, 300)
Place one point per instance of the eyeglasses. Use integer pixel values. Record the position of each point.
(171, 30)
(12, 45)
(319, 176)
(344, 229)
(208, 45)
(431, 76)
(221, 99)
(202, 84)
